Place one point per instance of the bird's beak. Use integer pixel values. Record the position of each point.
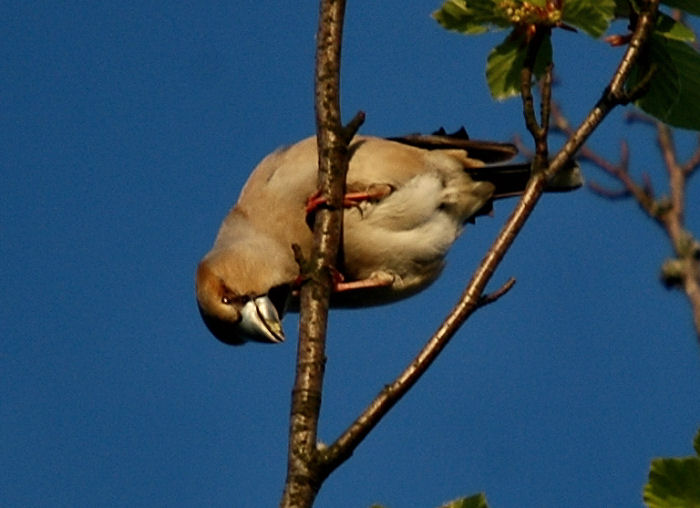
(260, 321)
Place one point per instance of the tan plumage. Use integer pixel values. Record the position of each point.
(432, 186)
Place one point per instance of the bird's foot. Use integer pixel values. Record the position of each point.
(375, 192)
(376, 280)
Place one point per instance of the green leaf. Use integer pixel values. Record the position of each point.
(673, 94)
(672, 29)
(453, 15)
(673, 483)
(622, 9)
(475, 18)
(475, 501)
(591, 16)
(689, 6)
(696, 443)
(505, 62)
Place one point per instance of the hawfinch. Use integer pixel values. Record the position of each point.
(407, 201)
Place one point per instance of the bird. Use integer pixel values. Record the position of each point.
(408, 199)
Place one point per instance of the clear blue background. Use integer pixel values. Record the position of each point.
(127, 130)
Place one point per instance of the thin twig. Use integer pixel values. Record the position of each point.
(546, 98)
(608, 193)
(643, 194)
(685, 247)
(494, 296)
(676, 178)
(693, 163)
(636, 116)
(539, 131)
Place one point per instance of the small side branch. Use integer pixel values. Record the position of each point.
(642, 193)
(693, 163)
(539, 131)
(493, 297)
(686, 275)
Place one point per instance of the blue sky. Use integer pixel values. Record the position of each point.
(128, 129)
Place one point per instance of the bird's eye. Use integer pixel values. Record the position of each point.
(231, 299)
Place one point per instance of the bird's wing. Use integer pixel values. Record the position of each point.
(486, 151)
(274, 198)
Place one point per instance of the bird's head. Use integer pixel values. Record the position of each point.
(240, 301)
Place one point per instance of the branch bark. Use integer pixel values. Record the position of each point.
(303, 472)
(686, 275)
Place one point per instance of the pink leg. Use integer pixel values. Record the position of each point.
(375, 281)
(350, 199)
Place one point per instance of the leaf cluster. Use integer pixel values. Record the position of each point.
(665, 82)
(674, 481)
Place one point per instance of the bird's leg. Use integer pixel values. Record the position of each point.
(376, 280)
(374, 192)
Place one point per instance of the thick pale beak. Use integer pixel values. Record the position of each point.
(260, 321)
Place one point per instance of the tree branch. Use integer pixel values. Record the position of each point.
(539, 131)
(470, 300)
(693, 163)
(303, 473)
(614, 94)
(686, 266)
(683, 271)
(643, 194)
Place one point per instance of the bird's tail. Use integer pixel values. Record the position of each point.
(511, 179)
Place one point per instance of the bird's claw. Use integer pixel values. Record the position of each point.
(376, 280)
(350, 199)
